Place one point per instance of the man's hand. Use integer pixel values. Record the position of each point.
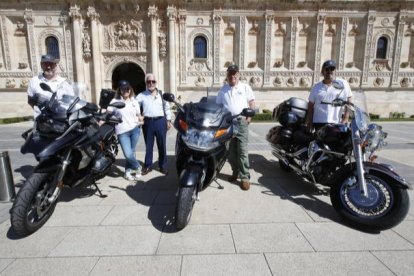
(248, 120)
(169, 125)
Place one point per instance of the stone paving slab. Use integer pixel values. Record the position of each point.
(331, 236)
(138, 265)
(108, 241)
(51, 266)
(326, 263)
(78, 215)
(399, 262)
(229, 264)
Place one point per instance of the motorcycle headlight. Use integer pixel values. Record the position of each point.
(200, 139)
(374, 138)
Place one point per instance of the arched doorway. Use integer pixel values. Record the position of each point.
(131, 72)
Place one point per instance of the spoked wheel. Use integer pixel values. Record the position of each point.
(385, 206)
(31, 208)
(185, 203)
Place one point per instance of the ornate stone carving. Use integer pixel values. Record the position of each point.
(304, 82)
(405, 82)
(182, 17)
(162, 38)
(199, 64)
(353, 81)
(48, 20)
(20, 29)
(378, 82)
(254, 30)
(330, 32)
(22, 65)
(230, 30)
(10, 83)
(278, 63)
(24, 83)
(86, 46)
(304, 31)
(385, 21)
(291, 82)
(293, 43)
(123, 35)
(200, 81)
(255, 81)
(354, 30)
(280, 31)
(200, 21)
(409, 31)
(74, 13)
(242, 40)
(278, 81)
(381, 65)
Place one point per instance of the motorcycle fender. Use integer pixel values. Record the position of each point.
(190, 177)
(47, 166)
(58, 144)
(385, 171)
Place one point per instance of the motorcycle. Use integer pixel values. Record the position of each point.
(75, 144)
(367, 195)
(204, 131)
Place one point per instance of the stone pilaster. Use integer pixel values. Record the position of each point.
(183, 53)
(342, 46)
(242, 39)
(268, 48)
(76, 16)
(319, 41)
(28, 17)
(94, 20)
(172, 17)
(216, 48)
(368, 41)
(293, 35)
(5, 42)
(397, 53)
(153, 15)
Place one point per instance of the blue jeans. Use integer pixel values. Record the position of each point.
(128, 141)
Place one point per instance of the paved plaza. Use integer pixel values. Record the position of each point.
(281, 226)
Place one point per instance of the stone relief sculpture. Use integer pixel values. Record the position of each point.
(353, 81)
(10, 83)
(20, 29)
(405, 82)
(124, 35)
(304, 82)
(378, 82)
(291, 82)
(162, 37)
(280, 30)
(24, 83)
(86, 46)
(200, 81)
(278, 82)
(255, 81)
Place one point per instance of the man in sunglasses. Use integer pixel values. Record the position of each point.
(320, 114)
(157, 120)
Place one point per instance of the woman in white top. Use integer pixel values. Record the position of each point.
(129, 130)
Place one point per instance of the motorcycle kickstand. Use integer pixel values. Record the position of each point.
(101, 195)
(220, 187)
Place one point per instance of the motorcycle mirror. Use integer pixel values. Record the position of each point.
(248, 112)
(338, 84)
(118, 105)
(169, 97)
(45, 87)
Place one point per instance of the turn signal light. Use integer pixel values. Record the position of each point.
(183, 125)
(220, 132)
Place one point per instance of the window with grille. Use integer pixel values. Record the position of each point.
(200, 47)
(382, 48)
(52, 46)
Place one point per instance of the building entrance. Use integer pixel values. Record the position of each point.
(132, 73)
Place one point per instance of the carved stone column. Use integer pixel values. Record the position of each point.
(242, 39)
(268, 48)
(152, 14)
(368, 41)
(319, 37)
(94, 18)
(293, 34)
(76, 16)
(216, 49)
(183, 52)
(342, 46)
(397, 53)
(5, 42)
(172, 16)
(28, 17)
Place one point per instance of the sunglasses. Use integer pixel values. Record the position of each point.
(124, 90)
(151, 81)
(329, 68)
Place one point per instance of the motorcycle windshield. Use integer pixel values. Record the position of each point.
(66, 98)
(361, 112)
(206, 113)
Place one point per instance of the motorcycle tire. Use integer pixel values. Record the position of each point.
(184, 209)
(31, 208)
(386, 206)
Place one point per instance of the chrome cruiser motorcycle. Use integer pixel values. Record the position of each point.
(204, 131)
(367, 195)
(74, 143)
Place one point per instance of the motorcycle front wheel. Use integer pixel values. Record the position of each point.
(385, 207)
(31, 208)
(185, 203)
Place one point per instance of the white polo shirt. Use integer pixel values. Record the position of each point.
(130, 114)
(58, 84)
(235, 98)
(153, 106)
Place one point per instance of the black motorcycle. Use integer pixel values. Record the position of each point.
(204, 130)
(368, 195)
(75, 144)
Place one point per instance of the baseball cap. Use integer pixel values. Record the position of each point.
(124, 84)
(233, 68)
(49, 58)
(329, 63)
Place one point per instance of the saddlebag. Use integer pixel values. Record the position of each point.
(291, 112)
(279, 135)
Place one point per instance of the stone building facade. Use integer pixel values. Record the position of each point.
(279, 46)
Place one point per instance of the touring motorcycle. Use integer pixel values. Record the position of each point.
(366, 194)
(204, 131)
(75, 144)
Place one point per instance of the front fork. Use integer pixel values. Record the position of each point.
(59, 178)
(359, 158)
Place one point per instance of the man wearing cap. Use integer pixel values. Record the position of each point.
(320, 114)
(157, 120)
(50, 77)
(235, 96)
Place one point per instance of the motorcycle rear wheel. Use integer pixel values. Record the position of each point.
(386, 206)
(31, 208)
(184, 209)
